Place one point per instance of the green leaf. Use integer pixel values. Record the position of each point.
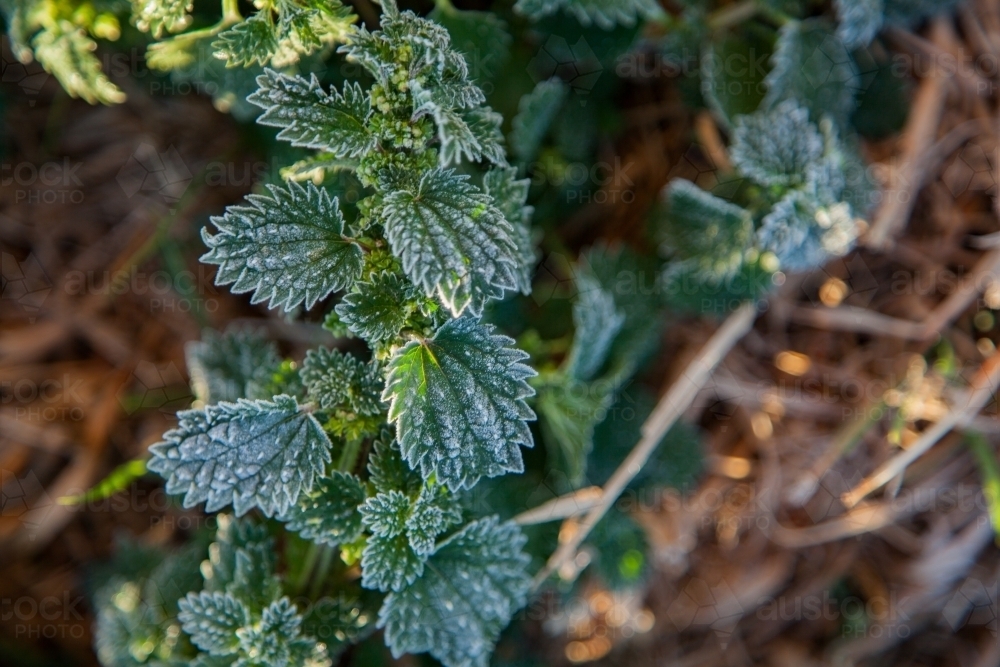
(277, 640)
(385, 514)
(328, 513)
(232, 365)
(452, 241)
(485, 125)
(342, 381)
(249, 454)
(387, 470)
(510, 195)
(433, 513)
(733, 90)
(287, 249)
(481, 37)
(535, 113)
(705, 232)
(777, 147)
(67, 53)
(469, 591)
(596, 322)
(606, 14)
(313, 118)
(803, 233)
(811, 65)
(388, 563)
(570, 409)
(241, 563)
(248, 42)
(458, 403)
(117, 480)
(212, 620)
(377, 308)
(162, 16)
(860, 21)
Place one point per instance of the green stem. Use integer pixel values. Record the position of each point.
(349, 457)
(308, 563)
(326, 554)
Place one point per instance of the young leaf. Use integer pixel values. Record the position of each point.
(776, 147)
(385, 514)
(485, 125)
(535, 113)
(596, 322)
(328, 513)
(377, 308)
(812, 65)
(232, 365)
(458, 403)
(469, 591)
(704, 231)
(451, 240)
(248, 42)
(312, 118)
(212, 620)
(388, 563)
(287, 249)
(277, 640)
(241, 563)
(163, 16)
(803, 234)
(67, 52)
(342, 381)
(510, 195)
(434, 512)
(387, 470)
(605, 14)
(249, 453)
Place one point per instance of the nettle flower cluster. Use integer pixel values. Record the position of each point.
(369, 455)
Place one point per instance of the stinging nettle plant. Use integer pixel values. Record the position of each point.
(370, 455)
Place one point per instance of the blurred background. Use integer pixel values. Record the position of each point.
(737, 548)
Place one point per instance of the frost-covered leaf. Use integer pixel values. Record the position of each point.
(328, 513)
(706, 232)
(212, 619)
(596, 322)
(452, 241)
(605, 14)
(277, 640)
(485, 124)
(510, 195)
(469, 591)
(385, 514)
(433, 513)
(803, 233)
(232, 365)
(310, 117)
(241, 563)
(388, 563)
(342, 381)
(776, 147)
(481, 37)
(161, 16)
(535, 113)
(811, 65)
(387, 470)
(458, 403)
(860, 21)
(67, 53)
(250, 454)
(248, 42)
(287, 248)
(377, 308)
